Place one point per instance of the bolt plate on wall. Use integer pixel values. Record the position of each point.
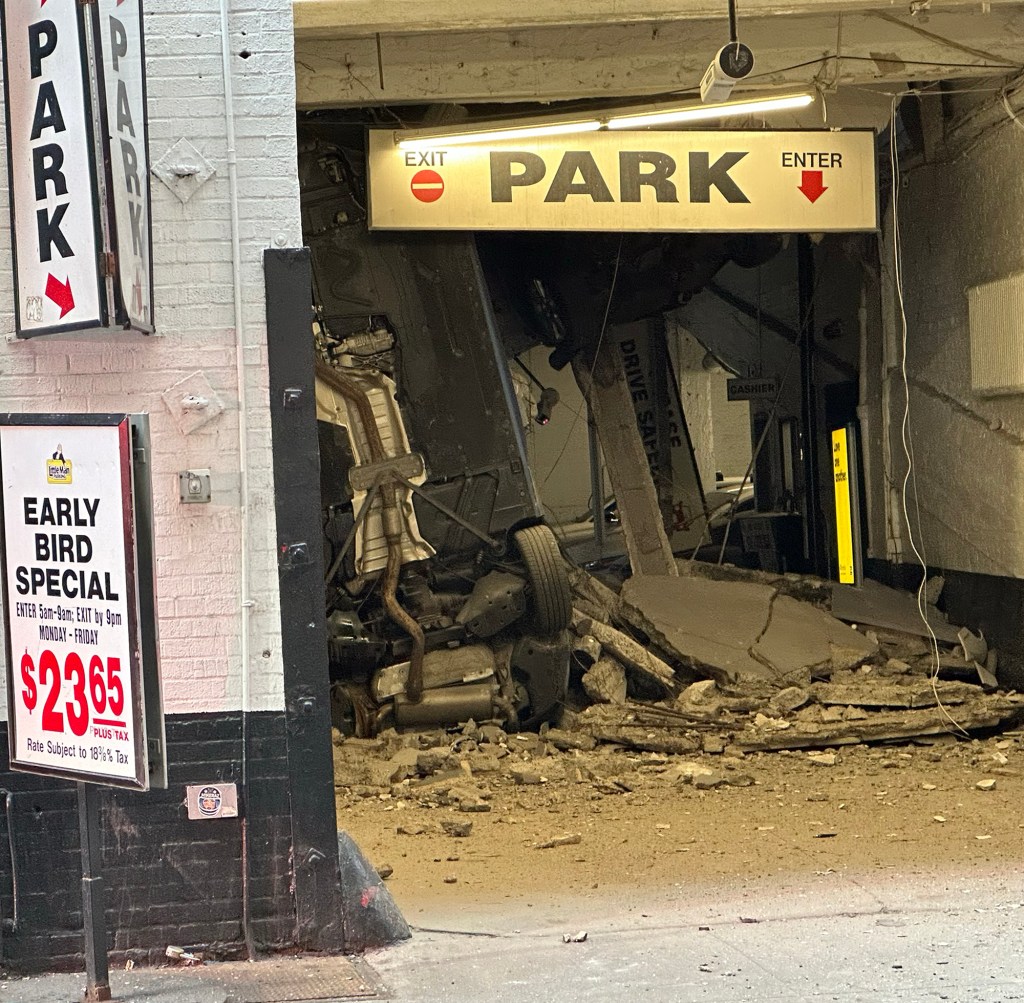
(194, 486)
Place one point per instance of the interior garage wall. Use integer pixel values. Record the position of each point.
(166, 873)
(960, 222)
(558, 451)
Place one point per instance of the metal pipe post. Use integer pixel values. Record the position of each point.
(596, 483)
(94, 920)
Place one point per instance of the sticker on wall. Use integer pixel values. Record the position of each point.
(212, 800)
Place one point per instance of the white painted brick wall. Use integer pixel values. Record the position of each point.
(960, 222)
(197, 546)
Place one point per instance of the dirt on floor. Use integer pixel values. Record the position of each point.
(483, 817)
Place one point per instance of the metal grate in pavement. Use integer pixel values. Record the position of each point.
(290, 980)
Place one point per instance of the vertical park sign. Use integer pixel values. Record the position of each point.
(78, 163)
(82, 680)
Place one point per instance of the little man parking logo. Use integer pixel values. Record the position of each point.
(58, 469)
(427, 186)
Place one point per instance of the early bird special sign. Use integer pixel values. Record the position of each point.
(697, 181)
(74, 599)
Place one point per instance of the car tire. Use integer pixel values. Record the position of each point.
(551, 599)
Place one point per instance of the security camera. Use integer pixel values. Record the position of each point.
(546, 404)
(732, 62)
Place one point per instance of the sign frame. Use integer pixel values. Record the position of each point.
(105, 266)
(149, 767)
(704, 195)
(102, 319)
(119, 234)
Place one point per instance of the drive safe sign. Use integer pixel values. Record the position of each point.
(78, 163)
(71, 584)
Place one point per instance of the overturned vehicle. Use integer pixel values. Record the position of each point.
(447, 596)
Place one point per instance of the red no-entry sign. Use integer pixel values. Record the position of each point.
(427, 186)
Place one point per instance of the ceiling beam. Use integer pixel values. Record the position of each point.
(353, 18)
(616, 61)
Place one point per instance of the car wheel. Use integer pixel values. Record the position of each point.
(549, 581)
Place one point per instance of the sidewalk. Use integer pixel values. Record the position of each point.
(274, 980)
(820, 937)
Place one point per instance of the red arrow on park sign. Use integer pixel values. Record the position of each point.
(427, 186)
(60, 293)
(811, 185)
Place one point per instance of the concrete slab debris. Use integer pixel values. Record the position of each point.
(732, 630)
(878, 605)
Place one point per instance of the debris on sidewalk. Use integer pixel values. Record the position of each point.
(570, 840)
(574, 938)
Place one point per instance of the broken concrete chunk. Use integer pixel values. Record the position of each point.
(974, 646)
(528, 742)
(933, 589)
(587, 650)
(633, 655)
(699, 694)
(713, 745)
(707, 782)
(686, 772)
(458, 829)
(411, 830)
(823, 758)
(765, 723)
(565, 740)
(527, 778)
(493, 734)
(605, 682)
(897, 666)
(854, 714)
(436, 759)
(483, 762)
(788, 700)
(986, 785)
(550, 844)
(831, 715)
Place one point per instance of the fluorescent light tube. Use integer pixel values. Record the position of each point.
(627, 118)
(661, 115)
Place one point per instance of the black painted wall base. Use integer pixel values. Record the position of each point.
(993, 604)
(169, 880)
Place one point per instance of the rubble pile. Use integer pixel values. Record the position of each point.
(672, 671)
(721, 657)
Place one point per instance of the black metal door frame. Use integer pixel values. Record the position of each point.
(315, 869)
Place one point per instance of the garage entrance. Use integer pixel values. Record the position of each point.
(802, 315)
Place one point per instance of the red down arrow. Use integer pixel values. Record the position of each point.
(60, 293)
(811, 185)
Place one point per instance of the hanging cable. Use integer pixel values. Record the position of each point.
(905, 432)
(593, 364)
